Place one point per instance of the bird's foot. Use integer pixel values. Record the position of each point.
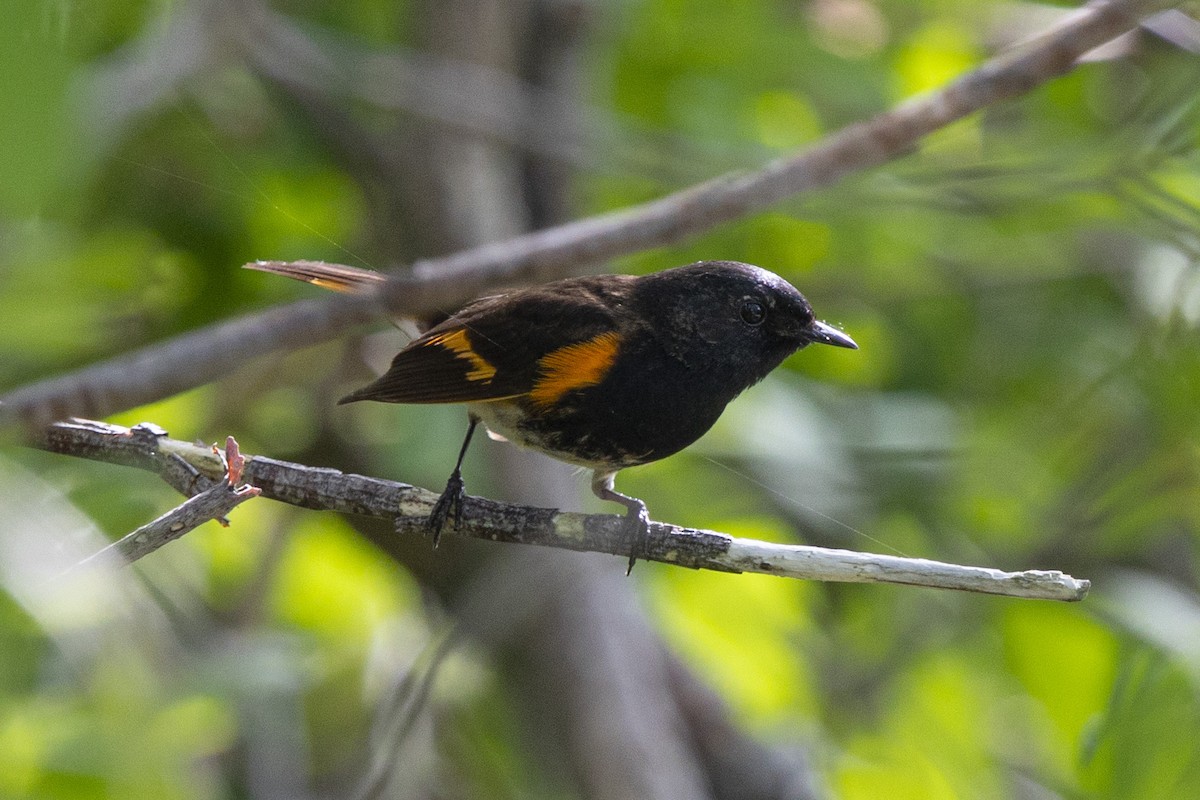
(637, 530)
(448, 506)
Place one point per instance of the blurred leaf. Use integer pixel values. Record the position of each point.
(336, 585)
(741, 634)
(933, 56)
(34, 123)
(1067, 663)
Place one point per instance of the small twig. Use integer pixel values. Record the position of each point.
(235, 462)
(409, 506)
(211, 504)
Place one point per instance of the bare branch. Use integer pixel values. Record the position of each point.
(409, 506)
(855, 148)
(184, 362)
(212, 503)
(445, 283)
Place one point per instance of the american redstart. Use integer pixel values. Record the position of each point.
(604, 372)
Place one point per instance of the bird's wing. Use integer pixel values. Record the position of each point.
(540, 342)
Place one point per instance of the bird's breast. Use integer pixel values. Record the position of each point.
(646, 406)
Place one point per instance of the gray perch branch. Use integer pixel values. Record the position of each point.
(148, 447)
(162, 369)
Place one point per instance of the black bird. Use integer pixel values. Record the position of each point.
(604, 372)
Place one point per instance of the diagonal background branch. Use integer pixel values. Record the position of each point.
(198, 357)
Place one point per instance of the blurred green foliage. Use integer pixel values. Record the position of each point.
(1025, 290)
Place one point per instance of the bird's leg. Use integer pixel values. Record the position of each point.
(637, 519)
(450, 504)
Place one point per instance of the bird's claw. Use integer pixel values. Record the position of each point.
(637, 530)
(448, 506)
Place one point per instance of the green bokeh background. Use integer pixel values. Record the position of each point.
(1024, 289)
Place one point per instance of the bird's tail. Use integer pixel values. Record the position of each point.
(337, 277)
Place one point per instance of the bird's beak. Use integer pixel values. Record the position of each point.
(821, 333)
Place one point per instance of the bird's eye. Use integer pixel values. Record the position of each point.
(753, 312)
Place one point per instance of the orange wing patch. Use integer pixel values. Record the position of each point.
(458, 342)
(574, 367)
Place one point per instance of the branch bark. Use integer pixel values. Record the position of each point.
(409, 506)
(445, 283)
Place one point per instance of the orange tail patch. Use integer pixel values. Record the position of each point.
(574, 367)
